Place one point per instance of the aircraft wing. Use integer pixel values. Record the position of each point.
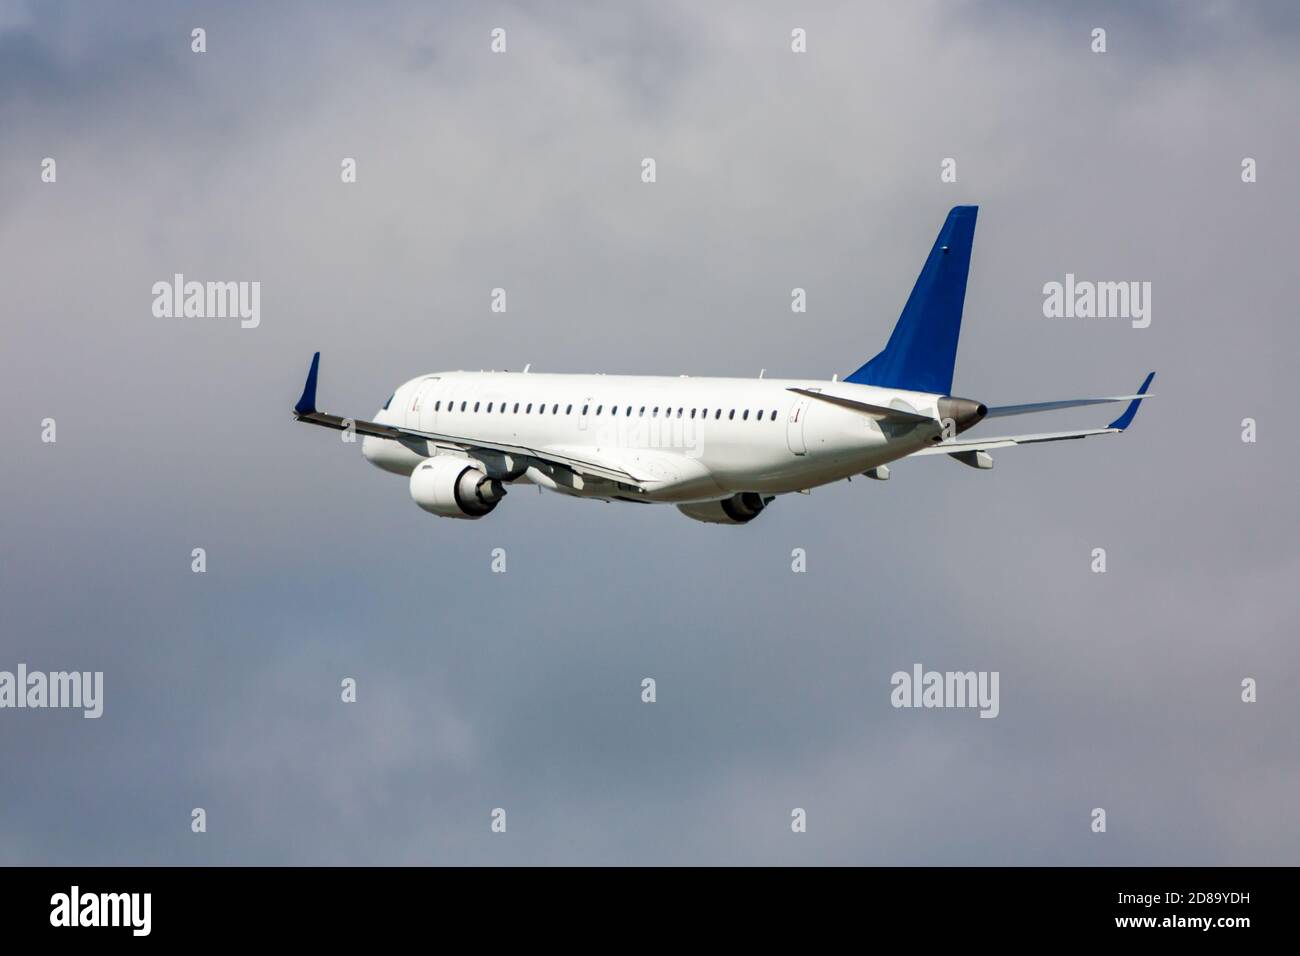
(967, 447)
(305, 411)
(983, 444)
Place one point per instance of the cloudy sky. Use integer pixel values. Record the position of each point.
(522, 690)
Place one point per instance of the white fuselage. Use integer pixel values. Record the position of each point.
(687, 439)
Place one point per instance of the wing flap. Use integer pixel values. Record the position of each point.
(342, 424)
(580, 466)
(1007, 441)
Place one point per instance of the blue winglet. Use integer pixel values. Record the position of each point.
(1126, 419)
(307, 404)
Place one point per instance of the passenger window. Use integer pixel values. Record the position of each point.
(745, 415)
(584, 409)
(774, 414)
(437, 406)
(462, 405)
(516, 408)
(598, 408)
(655, 413)
(541, 409)
(731, 415)
(568, 409)
(476, 406)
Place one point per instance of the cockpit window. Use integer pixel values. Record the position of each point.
(390, 401)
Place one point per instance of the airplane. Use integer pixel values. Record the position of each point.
(720, 449)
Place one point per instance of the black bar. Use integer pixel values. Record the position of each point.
(331, 905)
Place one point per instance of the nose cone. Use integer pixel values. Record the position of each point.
(964, 412)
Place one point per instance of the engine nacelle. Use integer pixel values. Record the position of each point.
(738, 509)
(453, 487)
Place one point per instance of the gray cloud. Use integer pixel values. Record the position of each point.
(522, 690)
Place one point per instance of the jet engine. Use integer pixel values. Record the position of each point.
(453, 487)
(738, 509)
